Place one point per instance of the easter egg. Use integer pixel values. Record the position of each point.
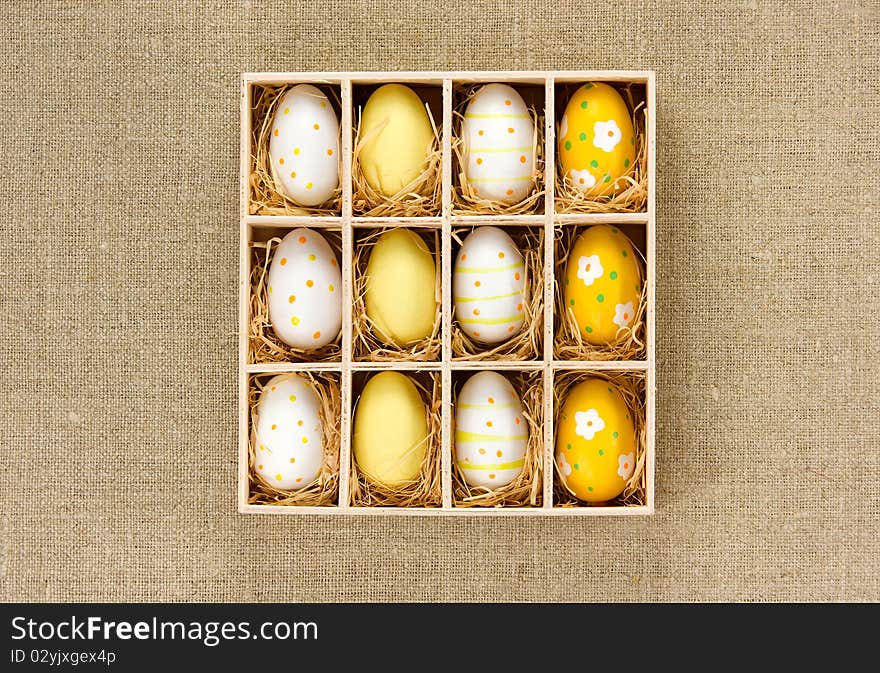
(390, 430)
(490, 431)
(396, 137)
(304, 146)
(499, 144)
(401, 288)
(597, 140)
(603, 285)
(288, 436)
(488, 286)
(595, 441)
(305, 304)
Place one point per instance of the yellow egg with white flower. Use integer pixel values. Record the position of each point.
(603, 284)
(596, 140)
(595, 441)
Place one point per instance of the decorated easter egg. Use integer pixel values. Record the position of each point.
(596, 140)
(288, 436)
(390, 430)
(595, 441)
(395, 138)
(499, 144)
(488, 286)
(490, 431)
(401, 288)
(304, 146)
(305, 305)
(603, 284)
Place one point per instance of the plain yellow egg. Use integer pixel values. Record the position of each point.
(390, 430)
(595, 441)
(597, 142)
(401, 288)
(396, 136)
(603, 284)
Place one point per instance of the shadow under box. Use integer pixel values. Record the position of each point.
(526, 489)
(481, 304)
(264, 345)
(426, 489)
(464, 199)
(569, 343)
(264, 196)
(631, 198)
(367, 344)
(420, 198)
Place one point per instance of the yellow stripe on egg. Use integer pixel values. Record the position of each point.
(465, 436)
(492, 466)
(492, 321)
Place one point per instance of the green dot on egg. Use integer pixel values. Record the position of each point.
(588, 86)
(607, 178)
(601, 452)
(600, 298)
(609, 390)
(577, 466)
(588, 329)
(568, 144)
(568, 446)
(571, 301)
(638, 289)
(589, 488)
(624, 253)
(583, 105)
(583, 136)
(626, 163)
(613, 275)
(632, 141)
(614, 434)
(594, 163)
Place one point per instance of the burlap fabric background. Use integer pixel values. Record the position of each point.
(118, 262)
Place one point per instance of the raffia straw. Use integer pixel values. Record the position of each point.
(527, 344)
(629, 200)
(265, 197)
(365, 343)
(265, 346)
(526, 489)
(324, 488)
(425, 491)
(632, 386)
(420, 198)
(464, 200)
(569, 344)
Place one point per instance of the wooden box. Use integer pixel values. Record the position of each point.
(344, 225)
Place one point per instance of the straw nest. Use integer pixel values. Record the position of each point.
(420, 198)
(527, 489)
(426, 490)
(527, 344)
(629, 200)
(569, 343)
(632, 386)
(324, 488)
(366, 344)
(265, 196)
(265, 346)
(465, 201)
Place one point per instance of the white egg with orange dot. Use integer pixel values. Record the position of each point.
(499, 144)
(488, 286)
(491, 433)
(305, 293)
(304, 146)
(287, 433)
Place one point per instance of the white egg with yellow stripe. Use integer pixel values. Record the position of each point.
(488, 286)
(499, 145)
(288, 436)
(304, 146)
(491, 433)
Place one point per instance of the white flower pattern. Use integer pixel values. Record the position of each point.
(588, 423)
(589, 269)
(623, 314)
(563, 465)
(606, 135)
(625, 465)
(582, 180)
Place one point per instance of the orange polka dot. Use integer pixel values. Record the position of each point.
(500, 255)
(281, 161)
(509, 192)
(516, 276)
(510, 130)
(273, 387)
(611, 134)
(480, 131)
(467, 459)
(302, 240)
(507, 102)
(581, 180)
(510, 329)
(463, 257)
(519, 307)
(299, 479)
(488, 424)
(499, 453)
(293, 174)
(316, 127)
(259, 467)
(329, 152)
(317, 335)
(287, 110)
(292, 459)
(491, 476)
(310, 283)
(476, 311)
(283, 261)
(491, 400)
(477, 283)
(323, 104)
(626, 466)
(333, 262)
(291, 299)
(276, 133)
(522, 159)
(299, 423)
(626, 316)
(274, 427)
(482, 452)
(476, 334)
(516, 421)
